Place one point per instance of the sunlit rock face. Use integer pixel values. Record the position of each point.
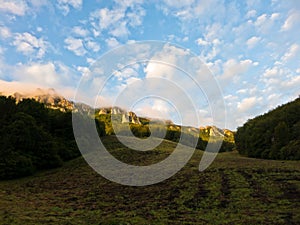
(53, 100)
(48, 97)
(127, 117)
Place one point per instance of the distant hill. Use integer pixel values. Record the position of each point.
(36, 131)
(51, 99)
(274, 135)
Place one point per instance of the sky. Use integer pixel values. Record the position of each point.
(251, 47)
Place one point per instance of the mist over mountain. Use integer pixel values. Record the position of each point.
(54, 100)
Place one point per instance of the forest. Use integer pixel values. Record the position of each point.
(33, 137)
(273, 135)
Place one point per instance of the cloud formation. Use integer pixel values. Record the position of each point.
(251, 48)
(15, 7)
(30, 45)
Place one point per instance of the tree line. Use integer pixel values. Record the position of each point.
(142, 130)
(274, 135)
(33, 137)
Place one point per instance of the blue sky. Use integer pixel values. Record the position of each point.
(252, 47)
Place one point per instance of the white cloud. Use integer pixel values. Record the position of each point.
(265, 23)
(94, 46)
(118, 20)
(16, 7)
(174, 38)
(38, 3)
(200, 41)
(90, 61)
(273, 97)
(75, 45)
(1, 52)
(65, 5)
(242, 91)
(96, 32)
(5, 32)
(79, 31)
(74, 3)
(291, 21)
(279, 80)
(135, 18)
(11, 87)
(251, 14)
(85, 71)
(211, 42)
(251, 42)
(272, 72)
(121, 30)
(50, 74)
(162, 66)
(190, 10)
(247, 104)
(275, 16)
(294, 82)
(154, 108)
(131, 80)
(30, 45)
(39, 29)
(108, 18)
(213, 31)
(179, 3)
(128, 3)
(232, 68)
(38, 73)
(291, 53)
(126, 73)
(261, 20)
(112, 42)
(185, 39)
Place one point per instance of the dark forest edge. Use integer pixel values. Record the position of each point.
(33, 137)
(274, 135)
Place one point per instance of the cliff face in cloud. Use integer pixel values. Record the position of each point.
(49, 97)
(53, 100)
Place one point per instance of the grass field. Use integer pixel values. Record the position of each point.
(234, 190)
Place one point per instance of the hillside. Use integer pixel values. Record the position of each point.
(274, 135)
(233, 190)
(36, 131)
(33, 137)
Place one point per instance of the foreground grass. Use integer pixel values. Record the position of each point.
(234, 190)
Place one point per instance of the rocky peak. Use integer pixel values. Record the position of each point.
(49, 97)
(215, 131)
(130, 117)
(127, 117)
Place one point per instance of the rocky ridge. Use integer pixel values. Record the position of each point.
(53, 100)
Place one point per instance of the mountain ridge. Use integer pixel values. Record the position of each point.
(54, 100)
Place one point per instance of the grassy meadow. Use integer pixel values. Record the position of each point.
(233, 190)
